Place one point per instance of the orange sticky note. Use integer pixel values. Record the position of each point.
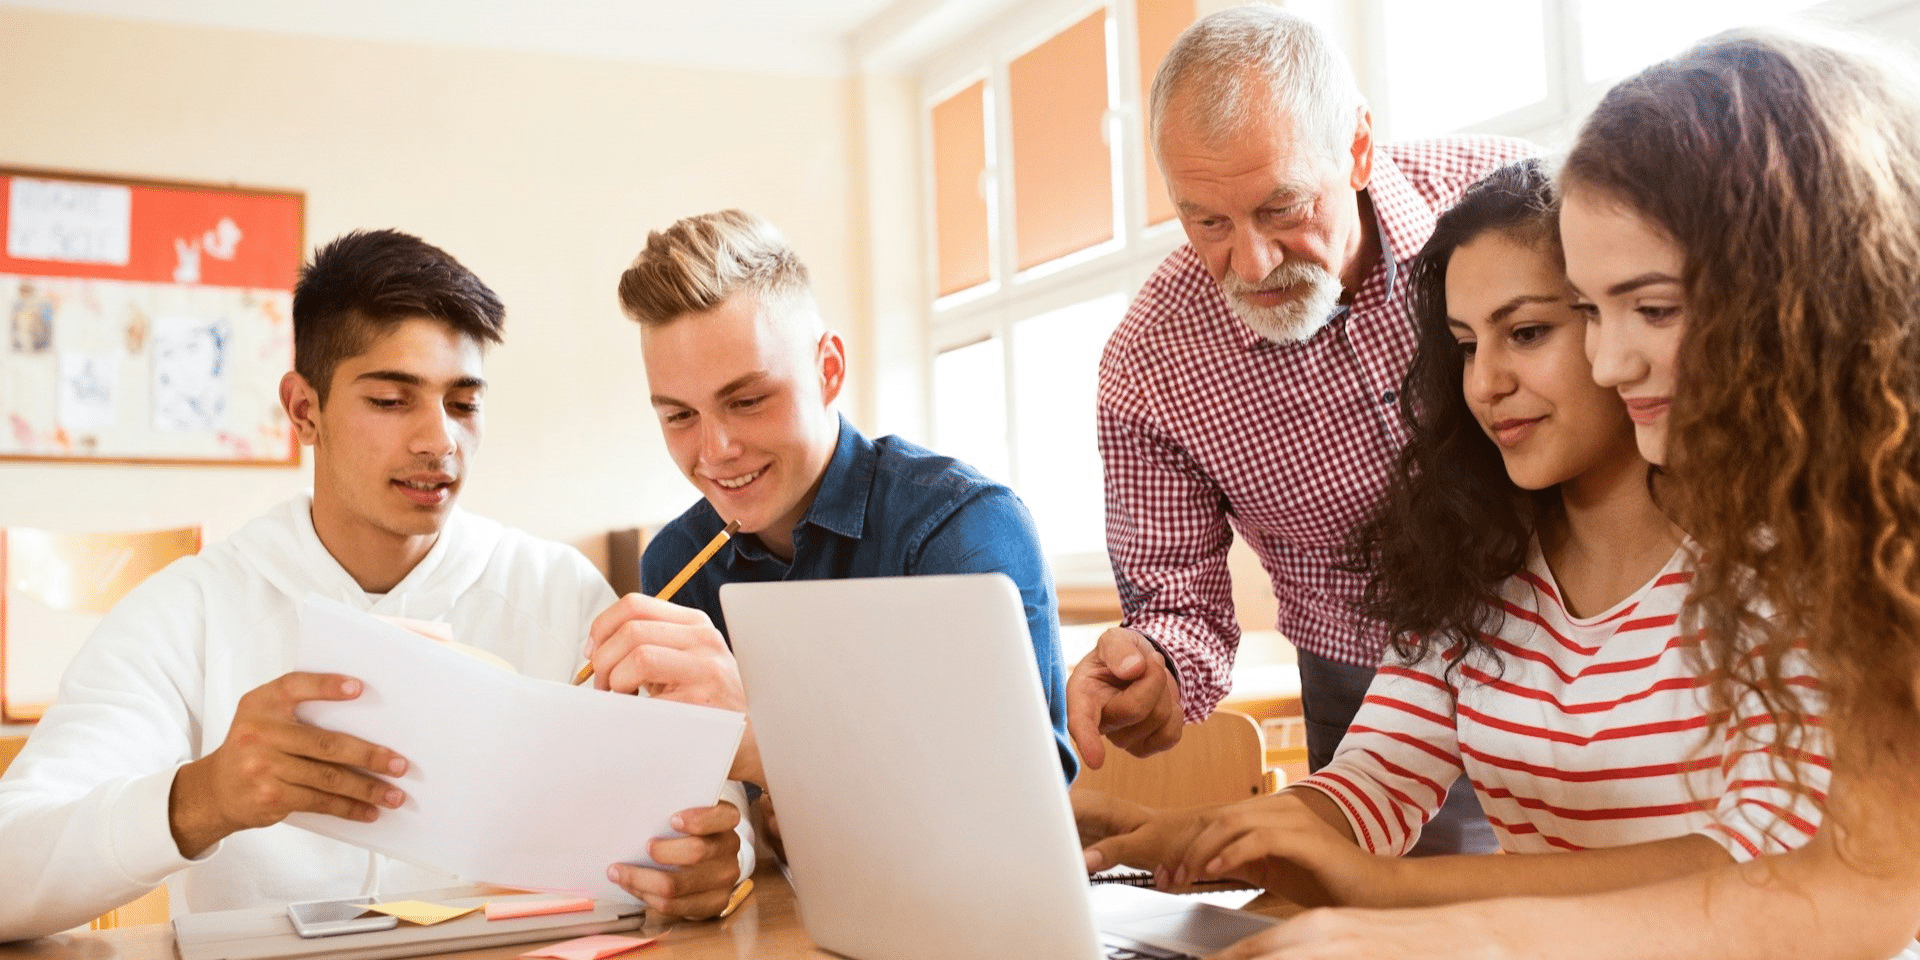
(537, 908)
(421, 912)
(592, 948)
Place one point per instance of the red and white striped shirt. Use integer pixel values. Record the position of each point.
(1203, 423)
(1590, 733)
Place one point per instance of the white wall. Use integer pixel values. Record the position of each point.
(541, 173)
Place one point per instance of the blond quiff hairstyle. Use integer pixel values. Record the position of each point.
(700, 262)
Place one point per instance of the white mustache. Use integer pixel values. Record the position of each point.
(1283, 276)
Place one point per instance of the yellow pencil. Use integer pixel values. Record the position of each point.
(679, 580)
(740, 892)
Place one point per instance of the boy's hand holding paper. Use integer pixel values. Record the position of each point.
(511, 779)
(705, 865)
(272, 765)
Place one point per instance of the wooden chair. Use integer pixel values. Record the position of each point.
(10, 748)
(152, 908)
(1219, 761)
(54, 587)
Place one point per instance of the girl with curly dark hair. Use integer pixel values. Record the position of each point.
(1532, 586)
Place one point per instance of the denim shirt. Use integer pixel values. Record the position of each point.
(885, 508)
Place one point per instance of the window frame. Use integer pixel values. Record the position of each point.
(1120, 265)
(1570, 95)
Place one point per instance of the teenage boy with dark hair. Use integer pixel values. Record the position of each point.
(172, 752)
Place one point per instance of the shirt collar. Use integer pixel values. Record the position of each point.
(1405, 218)
(840, 505)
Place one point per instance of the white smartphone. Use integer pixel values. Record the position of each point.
(327, 918)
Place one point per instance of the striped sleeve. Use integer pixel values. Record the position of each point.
(1775, 791)
(1391, 772)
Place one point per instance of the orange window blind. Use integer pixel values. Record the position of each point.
(1062, 168)
(1159, 24)
(960, 205)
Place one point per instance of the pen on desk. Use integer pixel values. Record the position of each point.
(679, 580)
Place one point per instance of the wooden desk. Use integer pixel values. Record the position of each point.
(766, 927)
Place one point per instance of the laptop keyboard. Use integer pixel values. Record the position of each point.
(1117, 949)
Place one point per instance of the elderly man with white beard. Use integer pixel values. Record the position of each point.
(1253, 384)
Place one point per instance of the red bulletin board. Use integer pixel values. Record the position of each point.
(145, 321)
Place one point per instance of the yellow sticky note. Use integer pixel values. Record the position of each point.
(421, 912)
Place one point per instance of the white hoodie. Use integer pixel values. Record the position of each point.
(83, 809)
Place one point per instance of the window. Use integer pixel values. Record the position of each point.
(1047, 214)
(1056, 360)
(1528, 68)
(1494, 66)
(970, 406)
(959, 190)
(1620, 36)
(1063, 200)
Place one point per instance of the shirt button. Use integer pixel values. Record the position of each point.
(1387, 397)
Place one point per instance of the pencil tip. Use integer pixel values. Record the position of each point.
(733, 527)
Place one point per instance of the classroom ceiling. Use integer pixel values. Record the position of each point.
(795, 36)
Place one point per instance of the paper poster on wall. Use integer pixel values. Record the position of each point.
(190, 373)
(145, 321)
(69, 222)
(88, 384)
(30, 320)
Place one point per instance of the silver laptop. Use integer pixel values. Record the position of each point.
(908, 752)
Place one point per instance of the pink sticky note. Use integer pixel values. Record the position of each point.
(537, 908)
(592, 948)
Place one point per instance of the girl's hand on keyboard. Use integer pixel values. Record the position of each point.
(1289, 845)
(1116, 832)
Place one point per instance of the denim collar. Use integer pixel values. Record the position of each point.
(840, 505)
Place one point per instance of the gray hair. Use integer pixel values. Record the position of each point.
(1234, 63)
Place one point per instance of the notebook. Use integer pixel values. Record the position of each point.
(265, 933)
(907, 749)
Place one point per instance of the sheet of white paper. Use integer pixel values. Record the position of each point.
(192, 373)
(89, 385)
(513, 780)
(68, 221)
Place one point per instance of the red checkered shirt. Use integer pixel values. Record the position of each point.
(1205, 425)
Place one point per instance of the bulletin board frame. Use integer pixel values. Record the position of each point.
(145, 321)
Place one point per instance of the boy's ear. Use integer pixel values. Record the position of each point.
(301, 404)
(832, 356)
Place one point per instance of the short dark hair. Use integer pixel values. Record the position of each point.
(366, 282)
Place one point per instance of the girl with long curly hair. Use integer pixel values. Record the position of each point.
(1531, 585)
(1743, 225)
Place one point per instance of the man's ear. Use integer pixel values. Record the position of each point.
(302, 405)
(832, 361)
(1363, 150)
